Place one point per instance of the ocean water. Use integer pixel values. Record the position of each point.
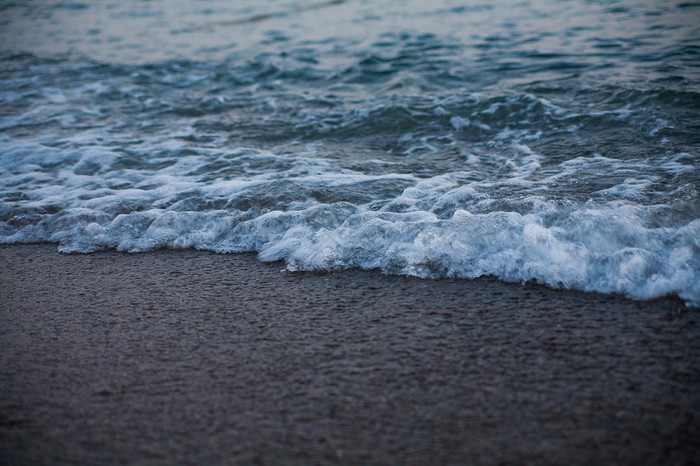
(551, 140)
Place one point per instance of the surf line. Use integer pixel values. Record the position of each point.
(263, 16)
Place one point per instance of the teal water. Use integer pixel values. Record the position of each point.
(547, 140)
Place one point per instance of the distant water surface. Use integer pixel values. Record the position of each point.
(547, 140)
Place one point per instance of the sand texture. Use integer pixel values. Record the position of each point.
(186, 357)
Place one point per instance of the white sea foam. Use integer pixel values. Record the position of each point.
(442, 226)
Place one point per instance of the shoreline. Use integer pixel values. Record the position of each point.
(195, 357)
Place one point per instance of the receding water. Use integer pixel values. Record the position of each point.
(548, 140)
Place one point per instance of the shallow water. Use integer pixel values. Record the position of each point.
(547, 140)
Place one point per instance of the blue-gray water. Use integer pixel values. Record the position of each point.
(548, 140)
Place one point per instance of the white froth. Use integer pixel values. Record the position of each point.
(498, 211)
(436, 227)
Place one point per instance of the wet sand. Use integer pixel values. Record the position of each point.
(185, 357)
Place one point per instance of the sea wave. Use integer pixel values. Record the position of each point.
(551, 142)
(317, 216)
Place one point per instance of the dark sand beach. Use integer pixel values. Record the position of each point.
(186, 357)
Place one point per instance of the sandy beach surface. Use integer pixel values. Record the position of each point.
(186, 357)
